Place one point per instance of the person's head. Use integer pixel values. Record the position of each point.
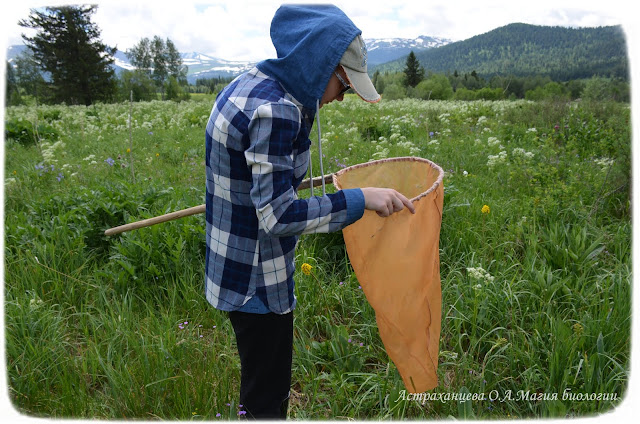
(336, 88)
(351, 73)
(312, 43)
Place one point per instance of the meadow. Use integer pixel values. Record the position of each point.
(535, 253)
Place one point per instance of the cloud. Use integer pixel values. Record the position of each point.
(239, 29)
(223, 29)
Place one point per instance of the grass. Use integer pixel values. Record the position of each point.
(118, 327)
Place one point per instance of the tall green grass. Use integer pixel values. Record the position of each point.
(536, 293)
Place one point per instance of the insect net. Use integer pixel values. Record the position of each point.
(396, 260)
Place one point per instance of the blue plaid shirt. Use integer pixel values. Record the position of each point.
(257, 153)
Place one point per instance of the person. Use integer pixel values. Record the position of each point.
(257, 153)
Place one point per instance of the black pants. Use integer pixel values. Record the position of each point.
(265, 345)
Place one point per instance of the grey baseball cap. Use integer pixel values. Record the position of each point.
(354, 62)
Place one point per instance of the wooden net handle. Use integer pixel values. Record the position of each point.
(195, 210)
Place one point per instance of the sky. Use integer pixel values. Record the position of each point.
(239, 29)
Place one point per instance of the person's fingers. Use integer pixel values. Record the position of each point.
(388, 209)
(397, 203)
(400, 201)
(386, 201)
(408, 203)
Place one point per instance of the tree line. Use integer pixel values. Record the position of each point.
(66, 62)
(416, 82)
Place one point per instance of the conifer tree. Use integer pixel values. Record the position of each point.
(67, 46)
(11, 94)
(414, 73)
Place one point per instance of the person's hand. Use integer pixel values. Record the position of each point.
(385, 201)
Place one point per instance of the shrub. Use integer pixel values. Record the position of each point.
(394, 92)
(23, 131)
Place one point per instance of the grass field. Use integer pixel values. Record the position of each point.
(536, 289)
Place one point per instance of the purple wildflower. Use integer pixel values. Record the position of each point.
(218, 414)
(340, 165)
(242, 413)
(60, 176)
(110, 161)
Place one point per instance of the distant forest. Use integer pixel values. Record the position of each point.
(559, 53)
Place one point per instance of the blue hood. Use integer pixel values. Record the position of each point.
(310, 41)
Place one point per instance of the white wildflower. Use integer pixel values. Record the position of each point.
(381, 154)
(604, 162)
(497, 159)
(492, 141)
(519, 151)
(479, 273)
(34, 303)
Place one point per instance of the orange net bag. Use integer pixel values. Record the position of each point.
(396, 260)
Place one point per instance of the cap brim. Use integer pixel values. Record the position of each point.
(362, 85)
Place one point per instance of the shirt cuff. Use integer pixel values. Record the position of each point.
(355, 204)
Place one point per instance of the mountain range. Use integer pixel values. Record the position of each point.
(517, 49)
(206, 66)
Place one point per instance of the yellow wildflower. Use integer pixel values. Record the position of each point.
(306, 268)
(578, 328)
(486, 209)
(128, 150)
(157, 154)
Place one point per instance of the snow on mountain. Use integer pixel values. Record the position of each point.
(204, 66)
(121, 61)
(381, 50)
